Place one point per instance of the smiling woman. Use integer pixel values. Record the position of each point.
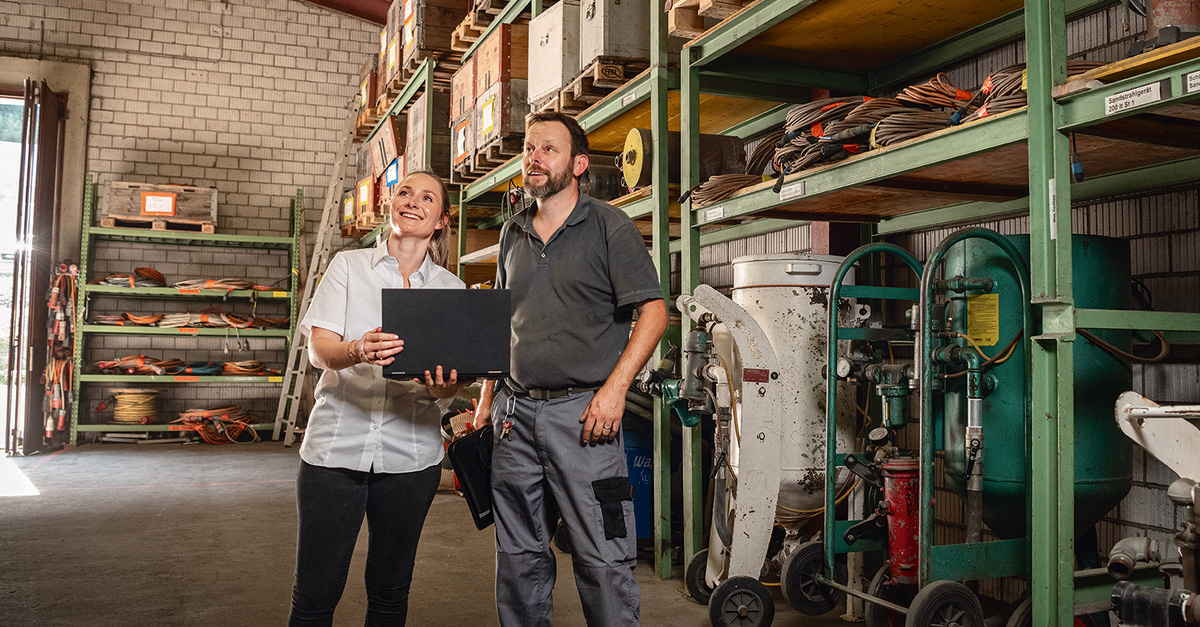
(373, 445)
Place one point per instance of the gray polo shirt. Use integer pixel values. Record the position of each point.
(573, 297)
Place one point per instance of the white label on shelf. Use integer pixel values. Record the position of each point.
(1136, 97)
(1191, 82)
(493, 181)
(792, 190)
(714, 214)
(1053, 212)
(628, 99)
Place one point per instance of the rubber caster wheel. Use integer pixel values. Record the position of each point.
(945, 604)
(694, 578)
(741, 602)
(884, 588)
(799, 586)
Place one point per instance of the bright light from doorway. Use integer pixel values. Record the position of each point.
(13, 482)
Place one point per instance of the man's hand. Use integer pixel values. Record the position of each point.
(483, 407)
(439, 386)
(602, 417)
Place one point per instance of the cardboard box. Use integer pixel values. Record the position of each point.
(503, 56)
(462, 89)
(553, 59)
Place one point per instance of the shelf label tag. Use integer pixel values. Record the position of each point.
(278, 294)
(628, 99)
(1053, 211)
(179, 428)
(1191, 82)
(274, 379)
(791, 191)
(1136, 97)
(186, 379)
(189, 330)
(189, 291)
(714, 214)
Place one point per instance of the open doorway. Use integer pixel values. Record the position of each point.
(34, 244)
(11, 108)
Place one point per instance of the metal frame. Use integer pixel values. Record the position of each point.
(89, 233)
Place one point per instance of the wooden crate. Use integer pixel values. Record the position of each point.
(390, 139)
(462, 146)
(427, 29)
(367, 89)
(364, 199)
(553, 58)
(500, 115)
(503, 56)
(381, 64)
(438, 131)
(611, 28)
(462, 89)
(144, 202)
(348, 204)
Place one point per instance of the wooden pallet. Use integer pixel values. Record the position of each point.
(600, 79)
(502, 149)
(158, 224)
(686, 17)
(469, 30)
(448, 63)
(463, 172)
(547, 103)
(367, 119)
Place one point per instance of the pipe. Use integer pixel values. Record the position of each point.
(1128, 553)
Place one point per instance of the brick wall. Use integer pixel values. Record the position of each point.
(247, 96)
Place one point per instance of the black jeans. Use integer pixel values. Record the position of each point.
(331, 503)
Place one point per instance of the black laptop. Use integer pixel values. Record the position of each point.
(463, 330)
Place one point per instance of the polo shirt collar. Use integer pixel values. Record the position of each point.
(380, 252)
(578, 214)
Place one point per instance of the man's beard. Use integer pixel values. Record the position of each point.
(555, 183)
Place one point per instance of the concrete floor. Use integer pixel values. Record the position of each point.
(129, 535)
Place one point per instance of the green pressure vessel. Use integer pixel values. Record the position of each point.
(1103, 456)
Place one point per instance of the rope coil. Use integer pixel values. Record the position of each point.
(135, 407)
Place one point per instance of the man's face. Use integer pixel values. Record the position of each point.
(547, 166)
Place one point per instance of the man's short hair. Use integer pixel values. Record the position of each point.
(579, 141)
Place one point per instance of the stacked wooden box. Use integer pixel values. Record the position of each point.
(462, 122)
(501, 100)
(438, 129)
(427, 28)
(160, 207)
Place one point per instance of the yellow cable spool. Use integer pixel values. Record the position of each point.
(637, 157)
(135, 407)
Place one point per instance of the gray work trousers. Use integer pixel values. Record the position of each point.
(542, 466)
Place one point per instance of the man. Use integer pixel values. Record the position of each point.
(577, 268)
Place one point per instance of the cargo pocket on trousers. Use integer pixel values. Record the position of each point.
(611, 493)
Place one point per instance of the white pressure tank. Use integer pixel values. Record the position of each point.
(788, 295)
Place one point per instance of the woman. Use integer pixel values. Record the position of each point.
(372, 446)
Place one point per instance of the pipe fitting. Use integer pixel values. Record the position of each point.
(1127, 553)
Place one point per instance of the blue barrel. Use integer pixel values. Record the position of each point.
(639, 455)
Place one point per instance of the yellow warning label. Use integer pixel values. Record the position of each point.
(983, 319)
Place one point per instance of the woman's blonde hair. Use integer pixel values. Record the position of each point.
(439, 244)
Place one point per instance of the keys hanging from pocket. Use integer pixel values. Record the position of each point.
(506, 430)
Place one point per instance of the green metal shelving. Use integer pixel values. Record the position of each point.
(93, 234)
(1043, 126)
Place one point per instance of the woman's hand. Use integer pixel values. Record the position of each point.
(376, 348)
(439, 386)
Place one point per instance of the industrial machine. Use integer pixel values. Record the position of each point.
(1166, 433)
(966, 387)
(949, 368)
(754, 364)
(1167, 22)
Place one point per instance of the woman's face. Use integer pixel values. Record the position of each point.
(417, 207)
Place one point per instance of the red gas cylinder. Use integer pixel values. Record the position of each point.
(901, 493)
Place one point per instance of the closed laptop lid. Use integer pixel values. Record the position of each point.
(463, 330)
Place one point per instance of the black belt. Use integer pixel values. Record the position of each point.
(539, 394)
